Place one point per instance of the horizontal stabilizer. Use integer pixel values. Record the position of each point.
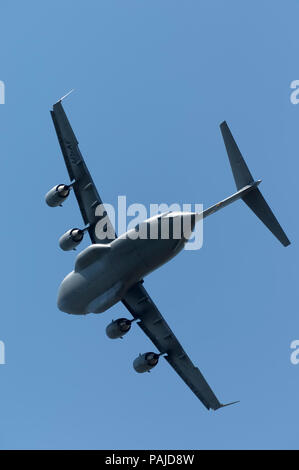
(259, 206)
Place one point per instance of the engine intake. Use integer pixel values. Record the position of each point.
(146, 362)
(70, 239)
(57, 195)
(118, 328)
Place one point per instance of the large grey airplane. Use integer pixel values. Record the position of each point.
(112, 269)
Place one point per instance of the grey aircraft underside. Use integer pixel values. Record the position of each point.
(112, 269)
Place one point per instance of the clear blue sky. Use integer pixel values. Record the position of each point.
(153, 81)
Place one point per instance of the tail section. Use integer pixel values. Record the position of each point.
(253, 198)
(240, 170)
(259, 206)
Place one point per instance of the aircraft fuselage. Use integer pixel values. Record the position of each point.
(104, 272)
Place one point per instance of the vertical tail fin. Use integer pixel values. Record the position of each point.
(243, 177)
(238, 165)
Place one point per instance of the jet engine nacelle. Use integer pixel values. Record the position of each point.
(57, 195)
(118, 328)
(145, 362)
(70, 239)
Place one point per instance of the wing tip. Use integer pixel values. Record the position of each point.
(63, 97)
(223, 124)
(223, 405)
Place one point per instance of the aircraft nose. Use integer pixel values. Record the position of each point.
(69, 299)
(62, 298)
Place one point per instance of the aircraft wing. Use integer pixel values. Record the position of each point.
(84, 188)
(150, 320)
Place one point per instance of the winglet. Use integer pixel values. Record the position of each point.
(228, 404)
(65, 95)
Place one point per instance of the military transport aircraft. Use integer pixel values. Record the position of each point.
(112, 269)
